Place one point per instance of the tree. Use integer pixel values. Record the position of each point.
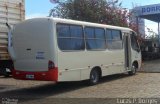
(98, 11)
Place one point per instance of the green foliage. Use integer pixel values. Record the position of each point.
(98, 11)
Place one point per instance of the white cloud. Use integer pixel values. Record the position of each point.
(36, 15)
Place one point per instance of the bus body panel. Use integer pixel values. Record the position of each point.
(136, 56)
(33, 46)
(77, 65)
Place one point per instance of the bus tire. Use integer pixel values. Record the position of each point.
(94, 77)
(133, 70)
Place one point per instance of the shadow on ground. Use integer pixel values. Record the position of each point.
(47, 90)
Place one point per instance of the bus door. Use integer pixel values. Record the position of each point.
(127, 50)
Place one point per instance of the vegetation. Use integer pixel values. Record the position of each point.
(98, 11)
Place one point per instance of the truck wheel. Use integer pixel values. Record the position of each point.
(94, 77)
(133, 70)
(4, 72)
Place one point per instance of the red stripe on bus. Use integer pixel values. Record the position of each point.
(51, 75)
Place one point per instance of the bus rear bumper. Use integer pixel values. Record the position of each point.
(51, 75)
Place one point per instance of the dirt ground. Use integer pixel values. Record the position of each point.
(142, 85)
(151, 66)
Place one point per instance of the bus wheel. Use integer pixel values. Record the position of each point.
(94, 77)
(133, 70)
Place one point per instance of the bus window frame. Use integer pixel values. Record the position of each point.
(57, 37)
(121, 38)
(95, 38)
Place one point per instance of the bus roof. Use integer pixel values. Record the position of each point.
(69, 21)
(59, 20)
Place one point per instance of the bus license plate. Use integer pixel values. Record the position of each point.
(30, 76)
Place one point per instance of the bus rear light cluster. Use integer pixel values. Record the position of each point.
(51, 65)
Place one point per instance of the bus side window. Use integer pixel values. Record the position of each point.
(70, 37)
(63, 30)
(134, 42)
(109, 38)
(114, 39)
(100, 38)
(95, 38)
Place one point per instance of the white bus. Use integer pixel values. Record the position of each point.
(61, 50)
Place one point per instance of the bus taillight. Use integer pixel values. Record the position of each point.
(51, 65)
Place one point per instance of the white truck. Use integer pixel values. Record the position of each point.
(11, 12)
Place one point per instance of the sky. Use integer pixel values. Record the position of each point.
(41, 8)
